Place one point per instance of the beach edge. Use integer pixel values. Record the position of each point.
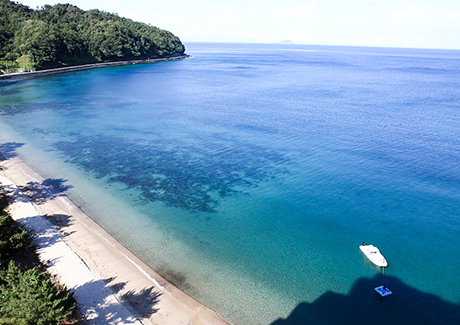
(127, 280)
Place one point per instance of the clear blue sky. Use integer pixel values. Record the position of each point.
(394, 23)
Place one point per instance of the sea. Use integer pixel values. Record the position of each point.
(249, 174)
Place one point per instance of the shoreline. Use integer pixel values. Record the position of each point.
(111, 284)
(18, 75)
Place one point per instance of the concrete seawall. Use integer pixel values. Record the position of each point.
(87, 66)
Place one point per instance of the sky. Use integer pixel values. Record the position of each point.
(385, 23)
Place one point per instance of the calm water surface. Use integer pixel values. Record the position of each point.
(249, 174)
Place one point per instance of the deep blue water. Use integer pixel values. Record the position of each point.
(249, 174)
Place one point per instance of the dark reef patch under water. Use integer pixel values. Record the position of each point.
(184, 177)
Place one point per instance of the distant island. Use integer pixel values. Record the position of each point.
(288, 41)
(65, 35)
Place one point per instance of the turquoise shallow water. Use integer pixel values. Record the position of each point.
(249, 174)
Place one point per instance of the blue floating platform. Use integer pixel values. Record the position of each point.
(383, 291)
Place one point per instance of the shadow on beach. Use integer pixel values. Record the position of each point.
(143, 301)
(96, 300)
(142, 304)
(37, 192)
(42, 234)
(8, 150)
(362, 305)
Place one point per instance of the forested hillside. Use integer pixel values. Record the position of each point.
(63, 35)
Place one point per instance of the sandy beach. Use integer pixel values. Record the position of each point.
(112, 285)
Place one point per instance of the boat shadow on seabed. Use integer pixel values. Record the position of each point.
(363, 305)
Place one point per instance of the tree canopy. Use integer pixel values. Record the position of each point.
(31, 298)
(28, 296)
(63, 34)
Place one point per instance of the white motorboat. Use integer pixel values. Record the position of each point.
(374, 255)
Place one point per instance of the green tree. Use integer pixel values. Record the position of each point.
(26, 62)
(40, 40)
(31, 298)
(63, 34)
(12, 237)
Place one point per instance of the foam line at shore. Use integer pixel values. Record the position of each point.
(135, 264)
